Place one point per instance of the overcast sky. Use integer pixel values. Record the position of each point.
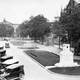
(16, 11)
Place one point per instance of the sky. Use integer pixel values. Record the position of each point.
(17, 11)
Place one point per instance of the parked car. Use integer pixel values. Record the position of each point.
(16, 73)
(7, 45)
(2, 50)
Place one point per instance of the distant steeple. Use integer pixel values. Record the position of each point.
(69, 8)
(71, 4)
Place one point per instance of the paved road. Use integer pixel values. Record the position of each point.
(33, 71)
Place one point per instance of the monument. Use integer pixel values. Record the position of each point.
(66, 57)
(28, 37)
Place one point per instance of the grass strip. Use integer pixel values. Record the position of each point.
(49, 59)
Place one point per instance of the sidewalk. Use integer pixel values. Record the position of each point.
(55, 49)
(34, 71)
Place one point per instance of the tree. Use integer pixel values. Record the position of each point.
(70, 19)
(6, 30)
(2, 30)
(23, 29)
(57, 29)
(9, 30)
(38, 27)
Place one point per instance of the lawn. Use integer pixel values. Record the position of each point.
(49, 59)
(67, 70)
(27, 47)
(43, 57)
(18, 43)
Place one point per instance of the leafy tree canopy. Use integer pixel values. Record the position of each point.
(6, 30)
(37, 27)
(70, 19)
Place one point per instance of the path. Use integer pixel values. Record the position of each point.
(34, 71)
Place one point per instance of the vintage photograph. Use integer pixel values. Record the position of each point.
(39, 39)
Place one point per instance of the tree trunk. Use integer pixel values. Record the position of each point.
(59, 42)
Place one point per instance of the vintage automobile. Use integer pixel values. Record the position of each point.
(15, 73)
(10, 68)
(7, 45)
(2, 51)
